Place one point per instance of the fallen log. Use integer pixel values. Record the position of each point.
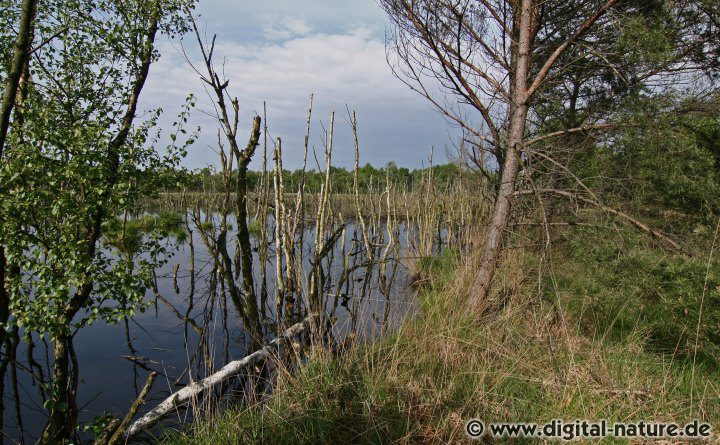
(228, 371)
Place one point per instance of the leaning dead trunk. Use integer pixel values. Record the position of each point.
(228, 371)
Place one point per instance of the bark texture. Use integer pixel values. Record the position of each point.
(495, 234)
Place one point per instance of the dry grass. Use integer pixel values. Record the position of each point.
(531, 360)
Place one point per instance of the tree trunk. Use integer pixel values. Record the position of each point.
(10, 92)
(518, 109)
(63, 413)
(58, 428)
(178, 399)
(20, 55)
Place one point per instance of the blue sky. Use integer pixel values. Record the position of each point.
(281, 51)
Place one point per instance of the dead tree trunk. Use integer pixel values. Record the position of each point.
(228, 371)
(251, 303)
(228, 116)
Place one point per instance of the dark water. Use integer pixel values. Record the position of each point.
(109, 380)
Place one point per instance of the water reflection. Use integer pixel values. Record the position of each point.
(191, 326)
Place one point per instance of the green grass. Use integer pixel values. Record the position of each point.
(128, 235)
(254, 227)
(592, 346)
(619, 288)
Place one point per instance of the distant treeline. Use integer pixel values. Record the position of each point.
(369, 178)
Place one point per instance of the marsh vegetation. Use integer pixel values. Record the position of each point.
(564, 264)
(209, 267)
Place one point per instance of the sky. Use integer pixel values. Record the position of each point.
(281, 52)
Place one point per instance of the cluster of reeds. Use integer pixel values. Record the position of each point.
(316, 252)
(262, 260)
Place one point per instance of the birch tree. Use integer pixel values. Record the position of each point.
(73, 159)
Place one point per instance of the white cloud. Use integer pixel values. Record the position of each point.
(339, 69)
(246, 20)
(285, 29)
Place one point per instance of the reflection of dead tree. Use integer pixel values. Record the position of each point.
(191, 272)
(229, 119)
(184, 318)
